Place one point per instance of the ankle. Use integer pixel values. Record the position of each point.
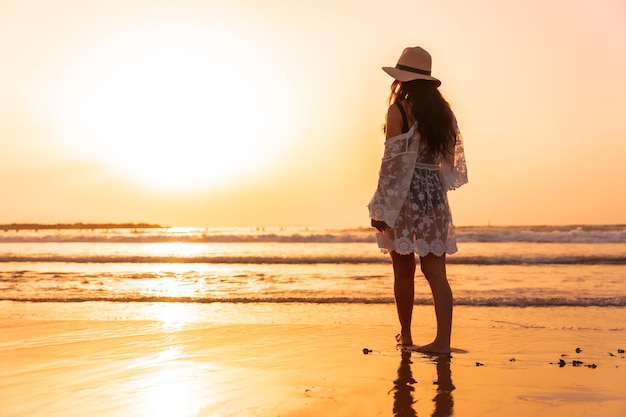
(406, 337)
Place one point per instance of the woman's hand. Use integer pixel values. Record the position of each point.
(379, 225)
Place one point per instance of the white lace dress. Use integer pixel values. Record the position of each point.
(411, 196)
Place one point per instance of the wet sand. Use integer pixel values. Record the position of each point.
(145, 359)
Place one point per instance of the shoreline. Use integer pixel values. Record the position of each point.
(71, 359)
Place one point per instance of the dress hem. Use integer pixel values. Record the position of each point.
(446, 252)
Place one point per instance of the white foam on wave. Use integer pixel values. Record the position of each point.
(546, 234)
(471, 302)
(539, 259)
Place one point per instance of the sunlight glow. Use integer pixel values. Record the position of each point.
(171, 391)
(178, 249)
(175, 106)
(173, 286)
(173, 315)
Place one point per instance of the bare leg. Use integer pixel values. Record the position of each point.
(403, 289)
(434, 269)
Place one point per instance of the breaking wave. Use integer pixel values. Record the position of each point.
(476, 302)
(583, 259)
(542, 234)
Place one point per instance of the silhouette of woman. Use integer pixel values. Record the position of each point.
(423, 159)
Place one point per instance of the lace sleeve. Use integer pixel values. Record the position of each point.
(454, 174)
(394, 180)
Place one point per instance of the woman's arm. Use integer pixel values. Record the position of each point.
(393, 128)
(394, 122)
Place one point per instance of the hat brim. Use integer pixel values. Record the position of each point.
(405, 76)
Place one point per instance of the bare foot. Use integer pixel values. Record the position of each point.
(404, 340)
(434, 348)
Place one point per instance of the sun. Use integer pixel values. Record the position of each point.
(176, 106)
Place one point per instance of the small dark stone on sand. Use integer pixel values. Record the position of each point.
(610, 354)
(561, 363)
(592, 366)
(578, 350)
(577, 363)
(366, 351)
(621, 351)
(480, 364)
(512, 360)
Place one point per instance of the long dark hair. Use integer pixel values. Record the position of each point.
(435, 120)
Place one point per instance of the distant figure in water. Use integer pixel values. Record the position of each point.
(423, 159)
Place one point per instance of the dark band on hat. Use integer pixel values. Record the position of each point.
(411, 69)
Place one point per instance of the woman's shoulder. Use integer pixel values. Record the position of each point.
(394, 111)
(398, 106)
(394, 121)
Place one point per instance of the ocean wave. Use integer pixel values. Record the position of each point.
(469, 302)
(537, 259)
(539, 234)
(545, 234)
(191, 236)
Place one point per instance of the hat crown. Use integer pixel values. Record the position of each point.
(414, 64)
(416, 58)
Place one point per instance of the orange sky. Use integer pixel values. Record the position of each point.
(269, 113)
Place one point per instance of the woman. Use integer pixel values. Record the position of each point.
(423, 159)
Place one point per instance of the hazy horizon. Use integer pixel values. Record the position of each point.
(80, 225)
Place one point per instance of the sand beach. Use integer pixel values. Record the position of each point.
(177, 359)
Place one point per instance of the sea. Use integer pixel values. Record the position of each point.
(520, 266)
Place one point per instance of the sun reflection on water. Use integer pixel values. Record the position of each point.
(174, 390)
(172, 384)
(181, 249)
(173, 315)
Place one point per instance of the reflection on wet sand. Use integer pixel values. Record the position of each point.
(403, 388)
(444, 402)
